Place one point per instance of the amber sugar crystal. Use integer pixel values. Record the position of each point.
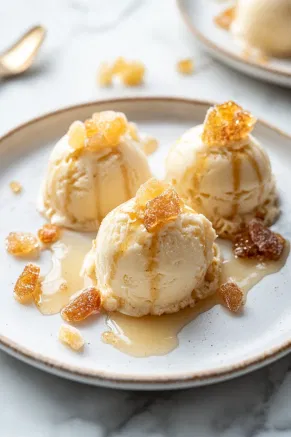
(133, 73)
(105, 74)
(77, 135)
(232, 296)
(22, 244)
(27, 283)
(227, 123)
(258, 242)
(161, 210)
(225, 18)
(149, 144)
(16, 187)
(112, 125)
(148, 191)
(104, 129)
(85, 304)
(70, 336)
(49, 233)
(185, 66)
(270, 245)
(133, 132)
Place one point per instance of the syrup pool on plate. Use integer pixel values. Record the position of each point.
(63, 278)
(158, 335)
(149, 335)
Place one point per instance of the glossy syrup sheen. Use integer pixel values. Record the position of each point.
(149, 335)
(158, 335)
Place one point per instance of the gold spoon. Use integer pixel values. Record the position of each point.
(21, 55)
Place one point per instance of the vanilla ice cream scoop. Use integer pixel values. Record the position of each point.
(92, 169)
(223, 173)
(264, 25)
(156, 258)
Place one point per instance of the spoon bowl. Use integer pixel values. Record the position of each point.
(18, 58)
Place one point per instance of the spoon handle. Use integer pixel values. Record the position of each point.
(3, 71)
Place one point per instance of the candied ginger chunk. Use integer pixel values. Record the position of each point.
(185, 66)
(161, 210)
(77, 135)
(91, 127)
(258, 241)
(149, 144)
(22, 244)
(150, 189)
(119, 65)
(226, 123)
(49, 233)
(133, 132)
(82, 306)
(133, 73)
(225, 18)
(269, 244)
(27, 283)
(232, 296)
(72, 337)
(16, 187)
(243, 246)
(112, 124)
(105, 74)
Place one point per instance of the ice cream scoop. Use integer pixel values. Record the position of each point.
(223, 172)
(264, 25)
(154, 255)
(95, 167)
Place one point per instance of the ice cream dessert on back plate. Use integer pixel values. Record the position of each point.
(95, 167)
(223, 172)
(264, 25)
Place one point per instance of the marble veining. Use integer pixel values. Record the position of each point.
(81, 34)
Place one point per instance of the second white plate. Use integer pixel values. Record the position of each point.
(199, 17)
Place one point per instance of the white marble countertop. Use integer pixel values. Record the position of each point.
(81, 34)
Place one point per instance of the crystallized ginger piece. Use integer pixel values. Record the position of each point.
(149, 144)
(225, 124)
(232, 296)
(259, 242)
(91, 127)
(16, 187)
(22, 244)
(77, 135)
(111, 124)
(161, 210)
(105, 74)
(243, 246)
(149, 190)
(225, 18)
(70, 336)
(185, 66)
(270, 245)
(133, 131)
(49, 234)
(119, 65)
(27, 283)
(82, 306)
(133, 73)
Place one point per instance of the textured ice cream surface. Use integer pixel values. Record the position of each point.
(82, 186)
(264, 25)
(228, 184)
(139, 272)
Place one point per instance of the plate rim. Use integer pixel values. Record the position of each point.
(214, 47)
(107, 378)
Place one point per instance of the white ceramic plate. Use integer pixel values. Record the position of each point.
(216, 345)
(199, 15)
